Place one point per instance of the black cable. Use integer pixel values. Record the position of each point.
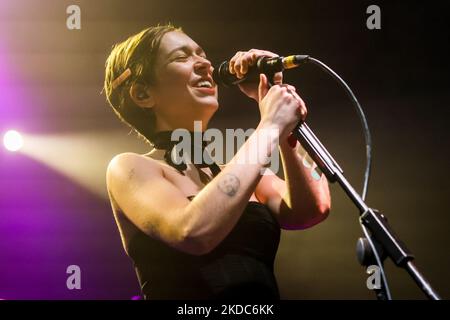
(368, 142)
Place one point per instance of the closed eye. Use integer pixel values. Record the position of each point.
(180, 58)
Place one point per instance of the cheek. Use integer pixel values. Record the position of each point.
(175, 76)
(173, 84)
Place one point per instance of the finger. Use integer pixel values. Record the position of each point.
(244, 65)
(231, 66)
(302, 108)
(296, 96)
(253, 58)
(247, 60)
(237, 66)
(278, 78)
(263, 53)
(303, 113)
(233, 61)
(263, 87)
(288, 86)
(291, 90)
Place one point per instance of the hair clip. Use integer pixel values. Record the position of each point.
(120, 79)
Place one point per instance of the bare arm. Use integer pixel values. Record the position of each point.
(161, 210)
(307, 192)
(303, 199)
(217, 208)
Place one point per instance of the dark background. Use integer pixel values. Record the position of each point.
(50, 84)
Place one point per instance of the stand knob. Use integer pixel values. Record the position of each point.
(364, 252)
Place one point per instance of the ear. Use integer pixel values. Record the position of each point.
(140, 94)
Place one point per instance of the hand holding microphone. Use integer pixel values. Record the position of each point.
(243, 71)
(280, 105)
(245, 66)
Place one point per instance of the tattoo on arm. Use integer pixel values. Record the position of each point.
(131, 174)
(316, 173)
(229, 184)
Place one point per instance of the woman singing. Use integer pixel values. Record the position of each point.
(196, 231)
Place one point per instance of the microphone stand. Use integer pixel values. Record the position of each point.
(373, 220)
(386, 241)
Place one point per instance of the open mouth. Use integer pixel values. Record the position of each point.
(204, 84)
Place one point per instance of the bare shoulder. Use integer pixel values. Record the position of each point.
(126, 159)
(129, 165)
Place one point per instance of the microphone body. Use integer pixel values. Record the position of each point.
(268, 66)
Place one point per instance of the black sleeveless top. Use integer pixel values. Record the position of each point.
(241, 266)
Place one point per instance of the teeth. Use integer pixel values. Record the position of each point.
(204, 83)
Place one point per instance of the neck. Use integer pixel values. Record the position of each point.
(199, 124)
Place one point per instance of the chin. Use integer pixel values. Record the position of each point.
(204, 101)
(210, 103)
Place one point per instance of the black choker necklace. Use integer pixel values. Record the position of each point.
(163, 140)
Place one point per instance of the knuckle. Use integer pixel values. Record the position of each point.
(273, 90)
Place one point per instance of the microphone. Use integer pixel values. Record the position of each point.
(268, 66)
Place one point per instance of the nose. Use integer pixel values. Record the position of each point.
(203, 64)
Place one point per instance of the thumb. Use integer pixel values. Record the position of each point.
(263, 86)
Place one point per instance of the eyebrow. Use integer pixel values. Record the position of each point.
(185, 48)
